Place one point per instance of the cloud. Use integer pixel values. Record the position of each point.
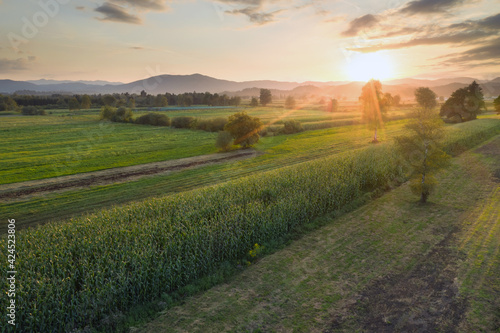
(359, 24)
(137, 48)
(429, 6)
(254, 15)
(476, 56)
(155, 5)
(82, 8)
(116, 13)
(257, 3)
(459, 38)
(470, 32)
(19, 64)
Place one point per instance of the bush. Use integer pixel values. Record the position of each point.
(224, 141)
(292, 126)
(183, 122)
(254, 102)
(123, 115)
(154, 119)
(32, 111)
(244, 129)
(107, 112)
(290, 102)
(211, 125)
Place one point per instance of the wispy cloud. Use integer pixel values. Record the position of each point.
(19, 64)
(116, 13)
(127, 11)
(429, 6)
(486, 53)
(254, 15)
(360, 24)
(155, 5)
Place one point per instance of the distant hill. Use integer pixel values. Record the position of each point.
(95, 83)
(201, 83)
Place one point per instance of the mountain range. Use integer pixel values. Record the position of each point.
(196, 82)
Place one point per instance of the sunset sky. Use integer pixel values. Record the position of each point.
(293, 40)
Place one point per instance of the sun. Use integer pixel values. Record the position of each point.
(366, 66)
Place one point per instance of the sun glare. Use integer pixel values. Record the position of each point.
(366, 66)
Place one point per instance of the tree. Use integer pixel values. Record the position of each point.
(73, 104)
(388, 99)
(254, 102)
(464, 104)
(31, 110)
(224, 141)
(109, 100)
(123, 115)
(265, 97)
(161, 101)
(334, 105)
(107, 112)
(131, 103)
(86, 103)
(396, 100)
(244, 129)
(290, 102)
(7, 104)
(373, 106)
(420, 147)
(426, 98)
(496, 103)
(292, 126)
(236, 100)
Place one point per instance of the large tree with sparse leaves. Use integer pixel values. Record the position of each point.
(373, 106)
(421, 148)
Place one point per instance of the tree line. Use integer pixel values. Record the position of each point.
(15, 102)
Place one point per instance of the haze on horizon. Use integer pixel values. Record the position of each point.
(240, 40)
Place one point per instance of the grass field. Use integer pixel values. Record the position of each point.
(38, 147)
(391, 265)
(278, 151)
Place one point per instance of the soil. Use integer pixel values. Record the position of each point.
(16, 191)
(424, 299)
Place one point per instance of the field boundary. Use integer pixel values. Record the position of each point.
(14, 191)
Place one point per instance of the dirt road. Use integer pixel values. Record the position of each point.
(15, 191)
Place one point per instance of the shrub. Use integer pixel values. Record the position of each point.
(107, 112)
(183, 122)
(32, 111)
(290, 102)
(123, 115)
(292, 126)
(211, 125)
(224, 141)
(154, 119)
(254, 102)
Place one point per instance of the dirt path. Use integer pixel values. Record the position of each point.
(15, 191)
(425, 299)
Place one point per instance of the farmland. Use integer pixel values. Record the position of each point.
(171, 240)
(178, 227)
(57, 145)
